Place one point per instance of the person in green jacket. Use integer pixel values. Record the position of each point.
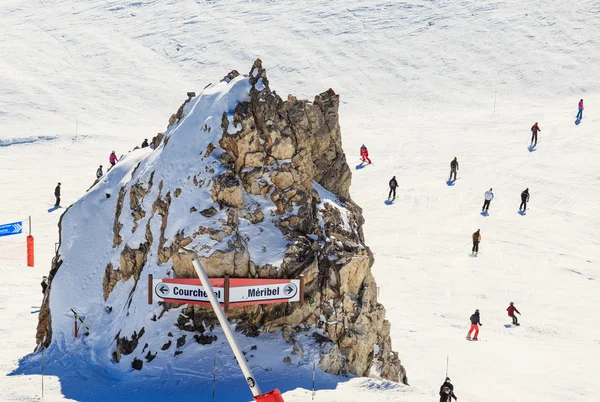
(453, 168)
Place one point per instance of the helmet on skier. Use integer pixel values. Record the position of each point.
(512, 304)
(44, 277)
(448, 379)
(477, 311)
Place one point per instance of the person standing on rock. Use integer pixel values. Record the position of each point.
(364, 154)
(475, 324)
(580, 110)
(57, 195)
(476, 239)
(145, 143)
(447, 391)
(534, 132)
(393, 185)
(524, 200)
(453, 168)
(489, 196)
(99, 172)
(511, 313)
(112, 159)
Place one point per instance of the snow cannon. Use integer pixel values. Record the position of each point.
(271, 396)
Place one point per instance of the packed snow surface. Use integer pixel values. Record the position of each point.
(420, 83)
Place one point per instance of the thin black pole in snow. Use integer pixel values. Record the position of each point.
(214, 378)
(313, 373)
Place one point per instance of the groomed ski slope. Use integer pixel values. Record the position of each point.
(421, 82)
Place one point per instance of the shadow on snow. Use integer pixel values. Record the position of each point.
(450, 183)
(84, 378)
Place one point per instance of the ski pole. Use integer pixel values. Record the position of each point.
(79, 318)
(447, 359)
(462, 330)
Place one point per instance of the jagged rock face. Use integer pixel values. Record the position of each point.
(265, 191)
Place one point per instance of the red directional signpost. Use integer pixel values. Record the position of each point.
(228, 292)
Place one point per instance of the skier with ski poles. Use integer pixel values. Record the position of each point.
(580, 110)
(524, 200)
(534, 133)
(393, 185)
(475, 324)
(447, 391)
(453, 168)
(476, 239)
(364, 153)
(511, 313)
(489, 196)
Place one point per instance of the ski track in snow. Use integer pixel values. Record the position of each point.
(420, 83)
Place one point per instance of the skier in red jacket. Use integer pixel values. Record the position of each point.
(364, 154)
(511, 313)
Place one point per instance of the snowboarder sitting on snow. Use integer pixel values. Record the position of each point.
(524, 200)
(447, 391)
(511, 313)
(453, 168)
(476, 239)
(57, 195)
(534, 131)
(393, 185)
(99, 172)
(112, 158)
(580, 110)
(145, 143)
(364, 154)
(489, 196)
(475, 323)
(44, 284)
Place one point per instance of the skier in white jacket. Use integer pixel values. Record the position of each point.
(489, 196)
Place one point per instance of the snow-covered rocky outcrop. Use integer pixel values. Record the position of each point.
(259, 187)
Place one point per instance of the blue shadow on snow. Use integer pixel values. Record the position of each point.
(531, 148)
(507, 325)
(83, 377)
(522, 213)
(388, 202)
(53, 209)
(484, 213)
(577, 122)
(361, 165)
(450, 183)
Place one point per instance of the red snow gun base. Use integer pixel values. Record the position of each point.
(271, 396)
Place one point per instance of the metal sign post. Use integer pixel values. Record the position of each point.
(239, 355)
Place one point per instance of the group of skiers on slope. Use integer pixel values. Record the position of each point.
(112, 158)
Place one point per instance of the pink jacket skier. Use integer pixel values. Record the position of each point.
(580, 112)
(112, 158)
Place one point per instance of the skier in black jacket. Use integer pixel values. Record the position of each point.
(447, 391)
(524, 200)
(145, 143)
(393, 185)
(57, 195)
(475, 324)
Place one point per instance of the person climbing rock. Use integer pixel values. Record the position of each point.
(57, 195)
(112, 158)
(145, 143)
(476, 239)
(511, 313)
(453, 168)
(475, 324)
(447, 391)
(534, 133)
(524, 200)
(364, 154)
(580, 110)
(393, 185)
(44, 284)
(99, 172)
(489, 196)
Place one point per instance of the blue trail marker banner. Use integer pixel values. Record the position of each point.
(11, 228)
